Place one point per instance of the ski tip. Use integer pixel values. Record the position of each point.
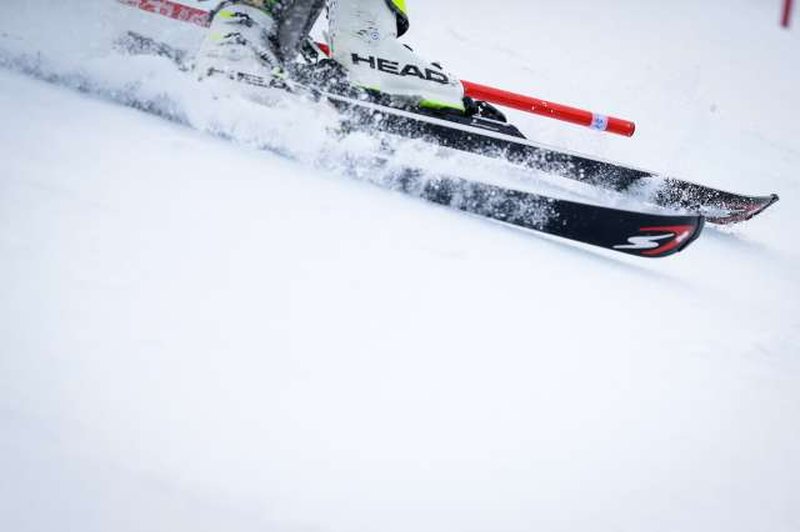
(749, 209)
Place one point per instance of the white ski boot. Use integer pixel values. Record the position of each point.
(238, 43)
(364, 39)
(256, 38)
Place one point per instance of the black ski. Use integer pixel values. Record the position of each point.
(632, 232)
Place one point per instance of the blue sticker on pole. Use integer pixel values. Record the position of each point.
(599, 122)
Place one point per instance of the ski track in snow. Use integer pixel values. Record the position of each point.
(198, 334)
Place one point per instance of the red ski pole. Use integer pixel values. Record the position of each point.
(550, 109)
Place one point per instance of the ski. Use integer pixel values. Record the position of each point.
(499, 140)
(632, 232)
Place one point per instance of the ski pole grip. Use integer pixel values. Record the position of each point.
(558, 111)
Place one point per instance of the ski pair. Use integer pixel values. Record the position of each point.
(632, 232)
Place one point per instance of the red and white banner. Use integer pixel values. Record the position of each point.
(187, 13)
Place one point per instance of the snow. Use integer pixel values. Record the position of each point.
(210, 327)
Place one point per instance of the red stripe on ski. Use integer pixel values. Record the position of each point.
(681, 234)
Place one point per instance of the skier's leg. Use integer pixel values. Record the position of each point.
(364, 39)
(296, 18)
(256, 37)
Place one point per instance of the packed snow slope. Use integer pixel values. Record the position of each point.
(205, 325)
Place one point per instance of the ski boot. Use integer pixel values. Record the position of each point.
(254, 40)
(364, 39)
